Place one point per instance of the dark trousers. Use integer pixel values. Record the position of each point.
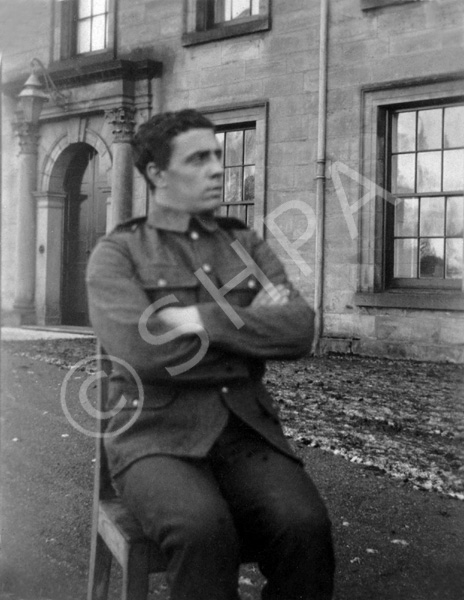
(245, 494)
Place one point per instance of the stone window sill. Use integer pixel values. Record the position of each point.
(415, 300)
(83, 60)
(372, 4)
(226, 31)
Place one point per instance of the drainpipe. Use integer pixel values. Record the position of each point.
(320, 177)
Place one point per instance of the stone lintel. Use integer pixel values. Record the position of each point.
(79, 73)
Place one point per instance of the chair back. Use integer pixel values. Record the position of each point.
(103, 488)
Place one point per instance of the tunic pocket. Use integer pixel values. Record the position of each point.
(241, 293)
(160, 281)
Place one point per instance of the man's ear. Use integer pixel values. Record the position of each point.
(155, 175)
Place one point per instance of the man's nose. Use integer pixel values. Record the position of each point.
(216, 168)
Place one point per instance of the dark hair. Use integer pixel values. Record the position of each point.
(152, 142)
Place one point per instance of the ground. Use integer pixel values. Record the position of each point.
(381, 438)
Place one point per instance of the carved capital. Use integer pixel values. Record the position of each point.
(28, 134)
(123, 122)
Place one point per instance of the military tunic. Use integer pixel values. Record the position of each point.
(173, 258)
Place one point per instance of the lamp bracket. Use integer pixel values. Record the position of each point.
(58, 97)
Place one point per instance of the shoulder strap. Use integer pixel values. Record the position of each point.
(131, 224)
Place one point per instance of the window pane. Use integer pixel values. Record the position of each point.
(99, 7)
(454, 259)
(98, 32)
(220, 139)
(84, 8)
(454, 126)
(429, 128)
(406, 217)
(234, 148)
(250, 214)
(431, 258)
(403, 167)
(227, 9)
(432, 216)
(429, 172)
(405, 258)
(83, 36)
(233, 185)
(404, 132)
(454, 216)
(240, 8)
(249, 184)
(453, 170)
(238, 211)
(250, 145)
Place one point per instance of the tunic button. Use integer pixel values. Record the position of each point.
(207, 268)
(251, 283)
(162, 282)
(224, 390)
(135, 403)
(194, 235)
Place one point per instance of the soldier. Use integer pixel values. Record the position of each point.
(196, 304)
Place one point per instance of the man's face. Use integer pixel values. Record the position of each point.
(192, 182)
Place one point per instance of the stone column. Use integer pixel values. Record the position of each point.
(24, 308)
(123, 122)
(50, 211)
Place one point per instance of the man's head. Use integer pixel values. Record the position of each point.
(179, 156)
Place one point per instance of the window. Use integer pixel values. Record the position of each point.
(91, 25)
(207, 20)
(410, 224)
(239, 160)
(83, 28)
(223, 11)
(242, 132)
(425, 223)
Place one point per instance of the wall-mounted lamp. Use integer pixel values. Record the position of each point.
(34, 94)
(31, 100)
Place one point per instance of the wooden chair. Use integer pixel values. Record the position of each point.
(115, 532)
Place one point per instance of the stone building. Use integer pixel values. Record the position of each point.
(343, 130)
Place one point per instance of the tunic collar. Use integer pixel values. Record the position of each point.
(169, 219)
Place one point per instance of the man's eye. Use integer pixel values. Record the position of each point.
(198, 159)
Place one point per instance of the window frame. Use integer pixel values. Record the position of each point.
(64, 43)
(230, 128)
(205, 30)
(231, 116)
(417, 282)
(377, 101)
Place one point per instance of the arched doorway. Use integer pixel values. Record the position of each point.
(84, 223)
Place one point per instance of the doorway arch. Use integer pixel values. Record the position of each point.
(84, 223)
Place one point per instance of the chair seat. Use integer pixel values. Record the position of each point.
(120, 530)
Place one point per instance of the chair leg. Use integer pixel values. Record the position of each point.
(135, 573)
(100, 569)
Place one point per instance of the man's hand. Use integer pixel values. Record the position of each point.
(277, 295)
(175, 316)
